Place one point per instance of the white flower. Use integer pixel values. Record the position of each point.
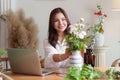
(81, 25)
(83, 32)
(80, 35)
(102, 20)
(76, 25)
(81, 20)
(72, 28)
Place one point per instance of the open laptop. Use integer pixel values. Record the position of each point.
(26, 61)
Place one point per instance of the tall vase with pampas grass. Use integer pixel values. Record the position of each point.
(22, 31)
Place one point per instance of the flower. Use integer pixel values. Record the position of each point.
(101, 15)
(96, 28)
(77, 37)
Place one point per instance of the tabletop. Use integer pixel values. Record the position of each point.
(54, 76)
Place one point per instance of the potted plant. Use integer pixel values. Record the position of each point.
(98, 28)
(76, 42)
(96, 38)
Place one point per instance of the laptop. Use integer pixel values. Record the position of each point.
(26, 61)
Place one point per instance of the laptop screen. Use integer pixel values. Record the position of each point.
(24, 61)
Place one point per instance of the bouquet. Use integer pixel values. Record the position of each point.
(77, 37)
(96, 28)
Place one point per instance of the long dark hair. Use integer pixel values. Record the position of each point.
(53, 36)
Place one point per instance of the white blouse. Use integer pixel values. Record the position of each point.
(50, 51)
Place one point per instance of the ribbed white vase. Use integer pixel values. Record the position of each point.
(76, 59)
(99, 40)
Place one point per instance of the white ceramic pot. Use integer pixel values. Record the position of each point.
(76, 59)
(99, 40)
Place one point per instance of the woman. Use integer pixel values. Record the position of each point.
(56, 55)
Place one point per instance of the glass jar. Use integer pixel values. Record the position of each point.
(89, 57)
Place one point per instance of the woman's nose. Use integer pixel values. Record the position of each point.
(60, 22)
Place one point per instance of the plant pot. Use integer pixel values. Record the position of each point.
(76, 59)
(99, 40)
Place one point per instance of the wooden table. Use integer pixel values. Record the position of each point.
(49, 77)
(28, 77)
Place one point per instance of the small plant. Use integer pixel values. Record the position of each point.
(86, 73)
(113, 73)
(2, 52)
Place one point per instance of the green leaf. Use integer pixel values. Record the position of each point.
(101, 30)
(2, 52)
(73, 73)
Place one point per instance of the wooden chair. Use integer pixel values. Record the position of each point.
(116, 63)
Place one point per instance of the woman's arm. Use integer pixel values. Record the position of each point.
(61, 57)
(57, 57)
(53, 56)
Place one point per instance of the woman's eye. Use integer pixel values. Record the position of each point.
(63, 19)
(56, 20)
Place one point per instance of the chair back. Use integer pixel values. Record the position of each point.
(116, 63)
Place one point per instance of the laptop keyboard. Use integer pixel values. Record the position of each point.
(46, 71)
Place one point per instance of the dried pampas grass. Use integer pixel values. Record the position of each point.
(22, 32)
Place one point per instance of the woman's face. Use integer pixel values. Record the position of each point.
(60, 22)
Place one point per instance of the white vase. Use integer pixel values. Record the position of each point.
(99, 40)
(76, 59)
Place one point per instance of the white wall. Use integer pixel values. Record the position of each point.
(40, 10)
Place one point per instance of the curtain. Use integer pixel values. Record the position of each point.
(5, 5)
